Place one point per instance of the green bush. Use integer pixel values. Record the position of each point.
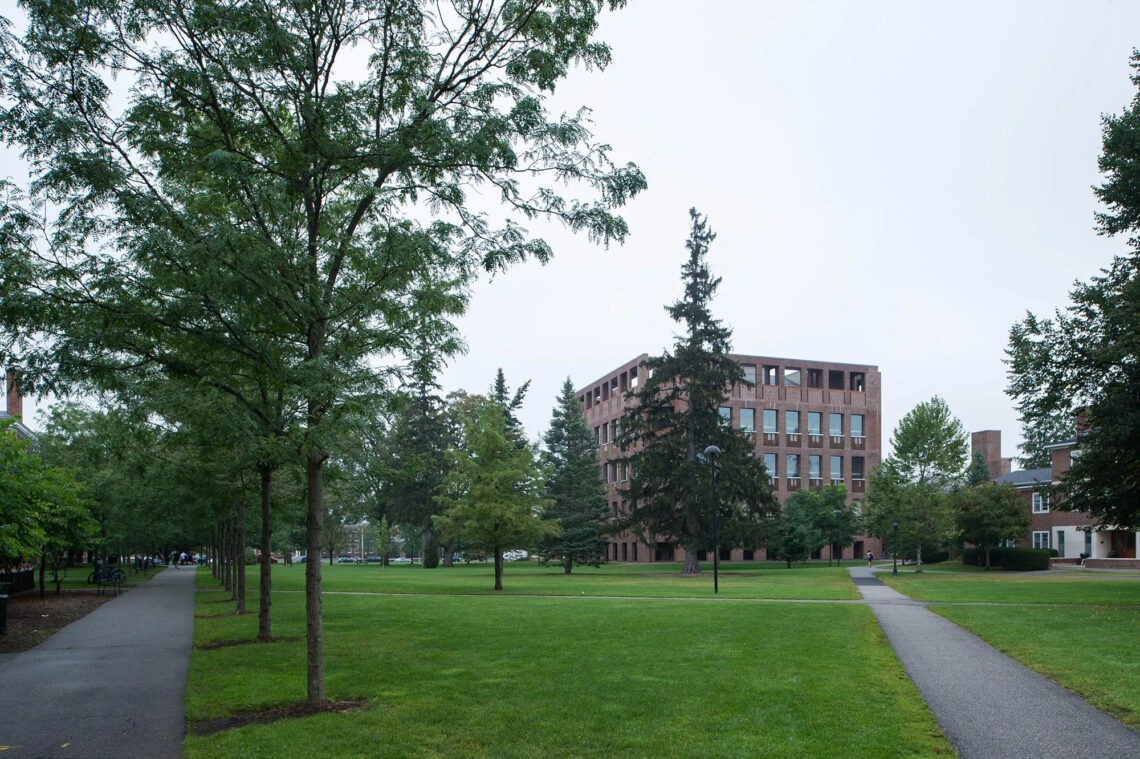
(935, 557)
(1010, 559)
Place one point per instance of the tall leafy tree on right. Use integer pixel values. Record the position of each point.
(914, 484)
(676, 415)
(1087, 357)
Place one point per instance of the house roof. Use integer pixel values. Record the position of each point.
(22, 431)
(1066, 443)
(1024, 478)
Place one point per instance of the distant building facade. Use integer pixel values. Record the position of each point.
(814, 423)
(1073, 534)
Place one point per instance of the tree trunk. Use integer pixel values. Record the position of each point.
(314, 627)
(568, 564)
(918, 558)
(43, 563)
(447, 547)
(987, 558)
(227, 567)
(239, 551)
(498, 569)
(266, 578)
(692, 561)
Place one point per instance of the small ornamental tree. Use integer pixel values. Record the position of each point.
(576, 492)
(989, 515)
(795, 534)
(493, 494)
(675, 416)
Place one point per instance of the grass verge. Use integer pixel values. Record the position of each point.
(1016, 588)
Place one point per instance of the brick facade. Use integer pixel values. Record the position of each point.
(830, 397)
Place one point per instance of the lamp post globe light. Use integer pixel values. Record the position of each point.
(711, 452)
(895, 548)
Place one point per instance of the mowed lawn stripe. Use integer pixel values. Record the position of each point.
(521, 677)
(1014, 588)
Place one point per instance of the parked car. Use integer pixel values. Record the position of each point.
(346, 560)
(401, 560)
(302, 559)
(372, 559)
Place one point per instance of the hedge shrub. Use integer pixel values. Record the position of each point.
(1010, 559)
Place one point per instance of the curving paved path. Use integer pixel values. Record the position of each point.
(108, 685)
(989, 705)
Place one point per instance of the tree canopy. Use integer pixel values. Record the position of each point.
(1086, 358)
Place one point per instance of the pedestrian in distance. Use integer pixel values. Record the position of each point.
(870, 558)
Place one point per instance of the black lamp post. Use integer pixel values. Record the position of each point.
(712, 452)
(895, 548)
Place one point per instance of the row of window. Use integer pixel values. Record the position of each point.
(793, 467)
(614, 472)
(746, 418)
(794, 377)
(618, 385)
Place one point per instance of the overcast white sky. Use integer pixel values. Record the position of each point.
(892, 183)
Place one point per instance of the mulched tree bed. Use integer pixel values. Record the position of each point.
(292, 711)
(32, 620)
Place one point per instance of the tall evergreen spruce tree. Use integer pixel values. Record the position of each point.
(576, 491)
(675, 417)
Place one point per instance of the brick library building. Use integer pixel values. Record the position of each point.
(815, 423)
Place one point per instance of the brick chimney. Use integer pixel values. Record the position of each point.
(989, 443)
(15, 399)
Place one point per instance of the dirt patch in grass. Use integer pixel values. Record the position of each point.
(32, 620)
(265, 716)
(227, 643)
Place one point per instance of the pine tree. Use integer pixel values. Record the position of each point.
(979, 471)
(676, 416)
(577, 493)
(509, 403)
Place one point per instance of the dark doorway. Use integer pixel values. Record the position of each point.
(664, 552)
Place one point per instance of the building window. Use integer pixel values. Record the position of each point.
(770, 421)
(835, 425)
(813, 467)
(1088, 542)
(749, 372)
(792, 465)
(792, 377)
(633, 378)
(858, 381)
(792, 422)
(748, 420)
(769, 375)
(770, 465)
(1060, 543)
(857, 467)
(857, 426)
(725, 414)
(1041, 540)
(834, 379)
(815, 378)
(1040, 503)
(625, 471)
(815, 422)
(836, 468)
(605, 434)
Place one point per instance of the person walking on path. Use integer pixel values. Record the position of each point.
(1018, 714)
(110, 684)
(870, 558)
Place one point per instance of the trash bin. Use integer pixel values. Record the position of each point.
(4, 607)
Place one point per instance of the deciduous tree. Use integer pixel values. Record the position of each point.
(989, 515)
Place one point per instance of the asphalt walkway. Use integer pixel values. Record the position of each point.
(987, 704)
(108, 685)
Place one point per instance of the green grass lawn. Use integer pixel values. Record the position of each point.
(737, 580)
(1092, 651)
(503, 676)
(1015, 587)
